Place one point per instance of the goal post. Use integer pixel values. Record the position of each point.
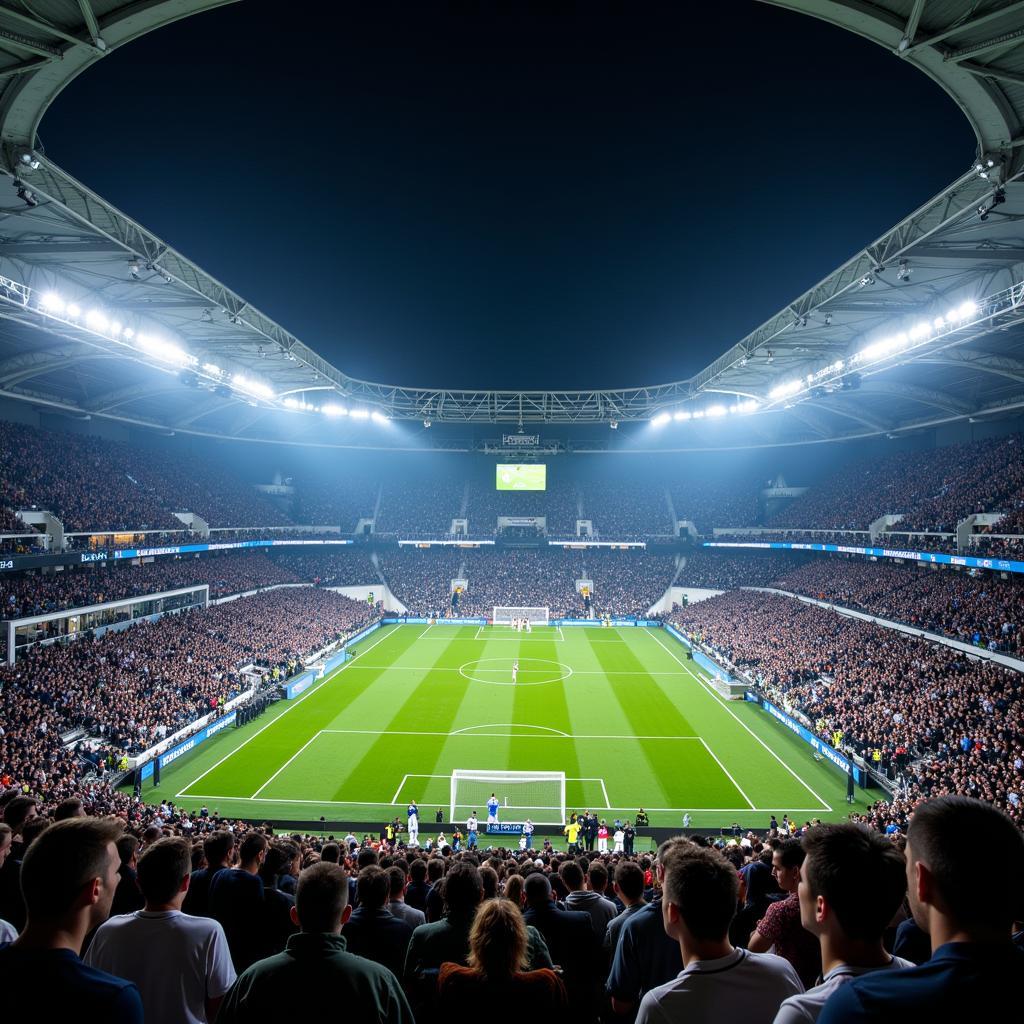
(505, 614)
(539, 796)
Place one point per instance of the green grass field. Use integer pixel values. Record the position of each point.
(620, 711)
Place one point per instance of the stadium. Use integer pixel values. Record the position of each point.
(528, 696)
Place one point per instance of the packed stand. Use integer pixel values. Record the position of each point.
(709, 503)
(421, 578)
(716, 569)
(627, 510)
(868, 688)
(627, 582)
(335, 501)
(412, 508)
(38, 594)
(347, 566)
(559, 503)
(981, 610)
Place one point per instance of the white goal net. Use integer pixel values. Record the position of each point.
(539, 796)
(504, 616)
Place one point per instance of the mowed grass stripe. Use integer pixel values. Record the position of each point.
(768, 782)
(433, 706)
(247, 769)
(545, 705)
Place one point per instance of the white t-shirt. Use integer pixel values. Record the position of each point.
(742, 986)
(177, 961)
(806, 1007)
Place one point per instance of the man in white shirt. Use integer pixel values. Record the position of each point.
(180, 964)
(472, 826)
(852, 882)
(718, 982)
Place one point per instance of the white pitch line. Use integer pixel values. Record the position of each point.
(231, 753)
(727, 772)
(631, 807)
(285, 765)
(824, 803)
(576, 672)
(607, 802)
(462, 734)
(399, 790)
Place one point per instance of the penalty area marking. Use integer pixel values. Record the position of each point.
(294, 704)
(718, 699)
(521, 637)
(469, 730)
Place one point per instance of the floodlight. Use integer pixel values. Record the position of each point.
(52, 302)
(681, 415)
(211, 368)
(715, 410)
(74, 311)
(333, 409)
(96, 320)
(967, 310)
(253, 387)
(360, 414)
(661, 419)
(378, 417)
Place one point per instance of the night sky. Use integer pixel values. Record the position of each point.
(495, 195)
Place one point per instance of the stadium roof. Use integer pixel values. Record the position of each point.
(99, 317)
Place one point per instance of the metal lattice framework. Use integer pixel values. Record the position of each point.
(58, 234)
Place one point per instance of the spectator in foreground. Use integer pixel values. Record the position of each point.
(780, 928)
(397, 904)
(316, 972)
(852, 883)
(372, 930)
(497, 972)
(629, 887)
(586, 895)
(236, 900)
(180, 964)
(645, 955)
(966, 907)
(718, 982)
(68, 879)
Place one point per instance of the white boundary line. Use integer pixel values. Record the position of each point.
(728, 773)
(575, 672)
(462, 734)
(782, 808)
(468, 729)
(398, 792)
(352, 661)
(315, 735)
(523, 638)
(825, 806)
(607, 802)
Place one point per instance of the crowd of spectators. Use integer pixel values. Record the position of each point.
(979, 609)
(183, 917)
(627, 509)
(725, 569)
(419, 508)
(869, 688)
(37, 593)
(335, 500)
(348, 566)
(708, 502)
(558, 503)
(931, 491)
(97, 484)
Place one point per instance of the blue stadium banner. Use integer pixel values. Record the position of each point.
(172, 755)
(841, 761)
(932, 557)
(505, 828)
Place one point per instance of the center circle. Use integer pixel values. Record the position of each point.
(498, 671)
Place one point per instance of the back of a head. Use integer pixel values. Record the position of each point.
(861, 875)
(71, 807)
(18, 810)
(331, 853)
(251, 846)
(127, 846)
(162, 868)
(463, 889)
(630, 879)
(704, 887)
(572, 874)
(373, 887)
(667, 847)
(597, 877)
(952, 835)
(418, 870)
(62, 860)
(218, 847)
(537, 889)
(435, 869)
(396, 881)
(489, 879)
(498, 940)
(791, 853)
(321, 895)
(366, 857)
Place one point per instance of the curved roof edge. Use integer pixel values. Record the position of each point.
(59, 53)
(965, 54)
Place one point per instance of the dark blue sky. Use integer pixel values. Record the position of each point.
(499, 194)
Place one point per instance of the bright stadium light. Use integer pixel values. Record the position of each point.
(379, 417)
(749, 406)
(785, 390)
(715, 410)
(360, 414)
(252, 387)
(74, 311)
(967, 310)
(333, 409)
(97, 321)
(52, 303)
(129, 333)
(115, 328)
(212, 369)
(164, 350)
(661, 419)
(681, 415)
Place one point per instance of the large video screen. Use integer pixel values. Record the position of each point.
(529, 477)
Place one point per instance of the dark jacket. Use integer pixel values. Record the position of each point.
(379, 936)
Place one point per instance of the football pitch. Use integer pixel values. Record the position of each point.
(621, 712)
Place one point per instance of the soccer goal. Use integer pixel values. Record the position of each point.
(539, 796)
(504, 615)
